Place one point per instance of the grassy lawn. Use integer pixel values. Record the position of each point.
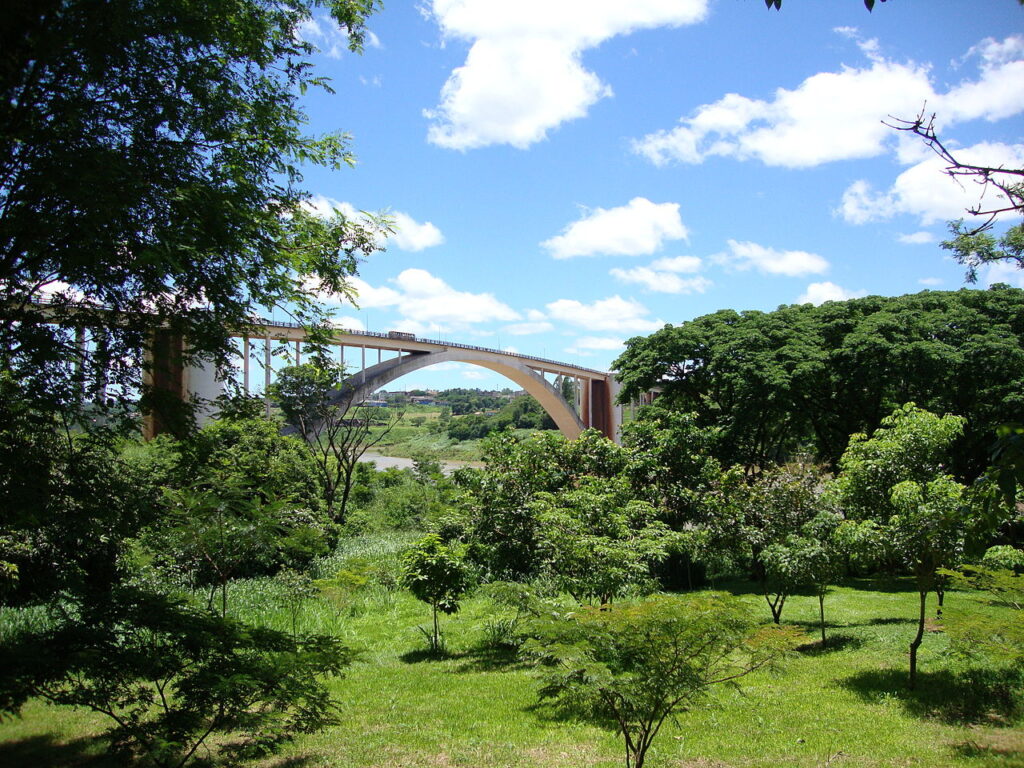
(846, 705)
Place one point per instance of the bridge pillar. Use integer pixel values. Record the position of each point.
(170, 383)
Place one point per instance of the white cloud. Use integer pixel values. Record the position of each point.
(747, 255)
(370, 297)
(410, 235)
(427, 305)
(428, 302)
(917, 238)
(819, 293)
(661, 281)
(830, 116)
(997, 93)
(834, 116)
(474, 375)
(612, 314)
(924, 190)
(523, 75)
(1003, 272)
(678, 264)
(931, 281)
(348, 323)
(638, 228)
(525, 329)
(587, 345)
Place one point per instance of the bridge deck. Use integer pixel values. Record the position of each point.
(287, 331)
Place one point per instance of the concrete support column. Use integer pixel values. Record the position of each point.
(586, 415)
(245, 365)
(267, 371)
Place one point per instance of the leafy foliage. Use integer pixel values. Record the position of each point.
(896, 478)
(318, 405)
(596, 542)
(151, 161)
(436, 573)
(502, 525)
(806, 378)
(635, 665)
(171, 675)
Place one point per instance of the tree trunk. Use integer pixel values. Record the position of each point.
(437, 639)
(917, 641)
(821, 614)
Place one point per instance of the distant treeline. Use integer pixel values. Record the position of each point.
(523, 412)
(802, 379)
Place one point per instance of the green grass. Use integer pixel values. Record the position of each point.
(846, 705)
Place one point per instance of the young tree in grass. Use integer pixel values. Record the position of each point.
(809, 560)
(770, 533)
(436, 573)
(896, 478)
(596, 541)
(636, 665)
(320, 408)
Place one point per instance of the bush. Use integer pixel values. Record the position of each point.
(1004, 557)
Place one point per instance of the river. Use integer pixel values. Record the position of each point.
(387, 462)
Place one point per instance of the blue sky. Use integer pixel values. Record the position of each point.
(567, 174)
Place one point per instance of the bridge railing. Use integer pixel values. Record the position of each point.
(263, 322)
(266, 323)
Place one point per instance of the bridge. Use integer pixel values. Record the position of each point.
(596, 391)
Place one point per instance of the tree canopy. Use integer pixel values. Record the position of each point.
(151, 158)
(805, 377)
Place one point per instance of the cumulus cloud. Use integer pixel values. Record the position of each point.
(613, 314)
(1003, 272)
(838, 115)
(819, 293)
(924, 190)
(429, 302)
(587, 345)
(917, 238)
(661, 281)
(528, 328)
(636, 229)
(523, 75)
(348, 323)
(374, 297)
(410, 235)
(746, 255)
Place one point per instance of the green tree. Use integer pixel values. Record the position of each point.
(137, 209)
(896, 477)
(810, 559)
(596, 541)
(502, 533)
(173, 677)
(338, 433)
(776, 384)
(436, 573)
(636, 665)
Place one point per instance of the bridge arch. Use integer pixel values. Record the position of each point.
(360, 386)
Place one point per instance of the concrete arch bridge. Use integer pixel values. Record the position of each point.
(596, 391)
